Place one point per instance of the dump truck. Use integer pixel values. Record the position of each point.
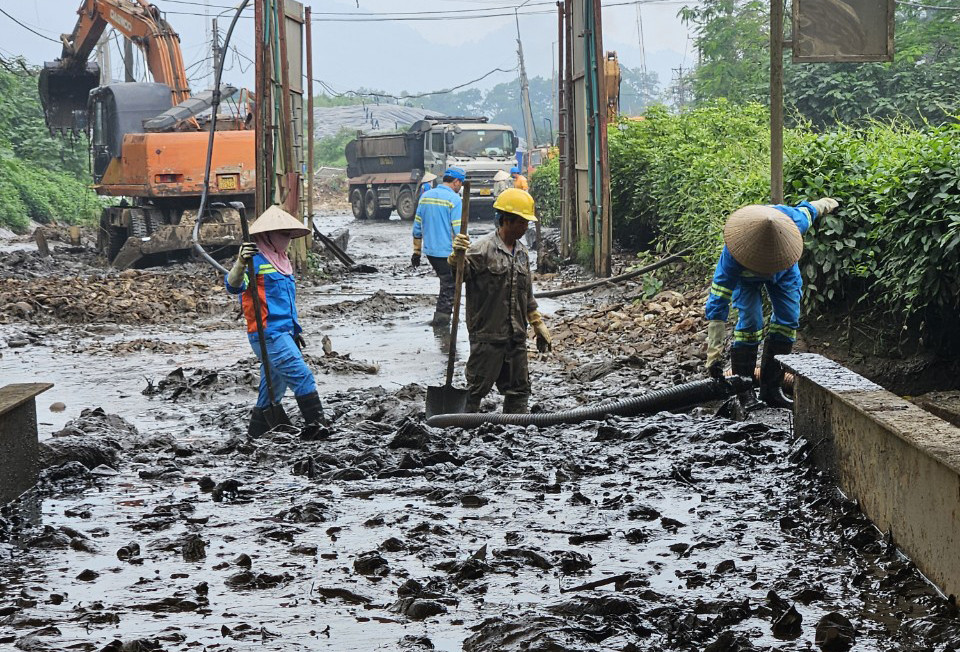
(148, 140)
(384, 171)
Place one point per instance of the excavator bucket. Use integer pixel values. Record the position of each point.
(64, 92)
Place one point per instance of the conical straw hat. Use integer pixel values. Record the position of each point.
(428, 177)
(277, 219)
(763, 239)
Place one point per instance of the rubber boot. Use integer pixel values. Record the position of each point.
(771, 373)
(743, 362)
(473, 405)
(258, 424)
(440, 319)
(515, 404)
(312, 409)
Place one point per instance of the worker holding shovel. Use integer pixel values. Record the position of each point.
(500, 304)
(269, 306)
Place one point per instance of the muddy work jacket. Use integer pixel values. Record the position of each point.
(729, 273)
(278, 299)
(499, 291)
(438, 220)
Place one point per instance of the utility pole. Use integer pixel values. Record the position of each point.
(681, 89)
(214, 44)
(128, 60)
(529, 129)
(103, 59)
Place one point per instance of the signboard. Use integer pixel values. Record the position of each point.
(842, 30)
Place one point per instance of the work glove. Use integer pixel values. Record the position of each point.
(544, 342)
(460, 244)
(247, 251)
(299, 341)
(716, 336)
(825, 205)
(417, 249)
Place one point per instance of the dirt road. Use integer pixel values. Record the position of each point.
(159, 526)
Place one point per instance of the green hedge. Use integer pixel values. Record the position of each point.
(893, 245)
(545, 188)
(28, 191)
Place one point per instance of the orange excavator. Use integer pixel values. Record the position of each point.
(148, 140)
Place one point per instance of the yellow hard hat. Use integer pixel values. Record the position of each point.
(517, 202)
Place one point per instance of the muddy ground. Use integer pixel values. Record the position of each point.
(159, 526)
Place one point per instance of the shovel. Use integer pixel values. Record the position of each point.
(448, 399)
(273, 413)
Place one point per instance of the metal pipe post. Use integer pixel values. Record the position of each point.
(776, 101)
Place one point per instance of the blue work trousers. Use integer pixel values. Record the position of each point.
(784, 298)
(287, 368)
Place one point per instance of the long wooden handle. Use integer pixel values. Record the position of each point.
(255, 296)
(458, 284)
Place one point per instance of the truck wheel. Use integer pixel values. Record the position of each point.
(356, 204)
(371, 204)
(406, 204)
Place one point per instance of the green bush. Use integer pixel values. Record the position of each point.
(893, 246)
(545, 188)
(29, 191)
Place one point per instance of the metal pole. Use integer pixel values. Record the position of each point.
(604, 230)
(776, 101)
(261, 108)
(562, 136)
(310, 162)
(530, 133)
(571, 210)
(128, 60)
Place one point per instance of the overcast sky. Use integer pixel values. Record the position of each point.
(386, 54)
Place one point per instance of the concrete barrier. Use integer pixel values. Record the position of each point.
(19, 454)
(900, 462)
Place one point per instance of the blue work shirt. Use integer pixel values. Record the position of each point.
(730, 273)
(438, 220)
(278, 299)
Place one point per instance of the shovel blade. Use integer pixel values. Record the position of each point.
(276, 416)
(446, 399)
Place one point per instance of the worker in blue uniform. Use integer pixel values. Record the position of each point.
(762, 245)
(426, 183)
(271, 234)
(434, 227)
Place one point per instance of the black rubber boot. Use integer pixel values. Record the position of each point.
(440, 319)
(515, 404)
(771, 373)
(312, 409)
(258, 424)
(472, 406)
(743, 362)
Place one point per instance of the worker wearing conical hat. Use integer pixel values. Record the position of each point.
(271, 234)
(762, 245)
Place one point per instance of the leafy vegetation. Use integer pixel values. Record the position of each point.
(329, 150)
(894, 245)
(918, 86)
(545, 188)
(41, 177)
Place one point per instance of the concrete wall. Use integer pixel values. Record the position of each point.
(19, 453)
(900, 462)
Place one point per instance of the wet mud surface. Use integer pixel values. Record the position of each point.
(159, 526)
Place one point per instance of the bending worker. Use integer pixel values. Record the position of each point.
(271, 234)
(500, 304)
(762, 245)
(436, 222)
(519, 181)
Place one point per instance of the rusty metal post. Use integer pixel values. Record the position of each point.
(562, 161)
(570, 211)
(603, 234)
(290, 182)
(776, 101)
(310, 161)
(261, 111)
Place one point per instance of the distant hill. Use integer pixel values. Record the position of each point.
(369, 118)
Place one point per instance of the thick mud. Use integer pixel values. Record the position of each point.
(159, 526)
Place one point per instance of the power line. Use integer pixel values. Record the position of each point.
(28, 28)
(330, 90)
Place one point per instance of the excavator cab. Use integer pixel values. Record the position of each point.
(64, 91)
(117, 110)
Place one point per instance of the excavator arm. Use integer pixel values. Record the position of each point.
(66, 82)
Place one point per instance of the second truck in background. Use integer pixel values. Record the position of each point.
(385, 170)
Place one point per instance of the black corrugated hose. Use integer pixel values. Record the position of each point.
(675, 398)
